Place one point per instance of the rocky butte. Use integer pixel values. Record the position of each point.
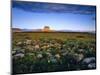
(47, 29)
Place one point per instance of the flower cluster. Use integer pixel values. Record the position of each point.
(45, 55)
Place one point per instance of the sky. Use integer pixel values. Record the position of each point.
(36, 15)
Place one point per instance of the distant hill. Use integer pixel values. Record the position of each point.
(16, 30)
(25, 30)
(41, 30)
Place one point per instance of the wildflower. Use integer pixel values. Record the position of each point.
(79, 57)
(49, 54)
(28, 41)
(81, 50)
(13, 52)
(53, 60)
(65, 53)
(16, 48)
(44, 47)
(19, 43)
(21, 55)
(39, 56)
(57, 56)
(37, 47)
(48, 61)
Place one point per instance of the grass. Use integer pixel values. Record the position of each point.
(53, 35)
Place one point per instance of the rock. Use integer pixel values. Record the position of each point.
(89, 60)
(92, 65)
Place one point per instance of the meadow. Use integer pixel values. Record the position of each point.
(36, 52)
(55, 35)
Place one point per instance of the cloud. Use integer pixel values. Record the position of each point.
(41, 7)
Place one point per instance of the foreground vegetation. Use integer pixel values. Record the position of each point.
(50, 52)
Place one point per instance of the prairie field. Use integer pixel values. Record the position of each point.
(54, 35)
(35, 52)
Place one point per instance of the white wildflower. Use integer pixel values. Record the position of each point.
(36, 46)
(39, 56)
(19, 55)
(57, 56)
